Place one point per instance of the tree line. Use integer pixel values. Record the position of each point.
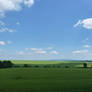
(9, 64)
(6, 64)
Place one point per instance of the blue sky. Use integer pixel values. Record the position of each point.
(45, 29)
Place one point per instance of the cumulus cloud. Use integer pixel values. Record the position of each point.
(50, 48)
(2, 43)
(87, 46)
(54, 53)
(29, 3)
(41, 51)
(5, 29)
(80, 52)
(21, 53)
(85, 23)
(13, 5)
(36, 49)
(33, 49)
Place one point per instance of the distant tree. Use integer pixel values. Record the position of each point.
(66, 66)
(1, 64)
(58, 66)
(54, 66)
(85, 65)
(45, 66)
(26, 65)
(16, 66)
(7, 64)
(36, 66)
(49, 66)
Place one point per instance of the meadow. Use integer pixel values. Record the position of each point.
(31, 79)
(62, 64)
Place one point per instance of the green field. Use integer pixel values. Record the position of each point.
(37, 62)
(31, 79)
(62, 64)
(45, 80)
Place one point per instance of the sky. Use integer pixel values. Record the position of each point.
(46, 29)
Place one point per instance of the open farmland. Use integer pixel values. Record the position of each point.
(45, 80)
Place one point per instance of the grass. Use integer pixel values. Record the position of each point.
(37, 62)
(45, 80)
(53, 79)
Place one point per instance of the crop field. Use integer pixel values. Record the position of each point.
(45, 80)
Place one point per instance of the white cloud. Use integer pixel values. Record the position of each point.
(78, 23)
(5, 43)
(6, 30)
(41, 52)
(29, 3)
(13, 5)
(80, 52)
(54, 53)
(2, 43)
(50, 48)
(36, 49)
(86, 23)
(21, 53)
(87, 46)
